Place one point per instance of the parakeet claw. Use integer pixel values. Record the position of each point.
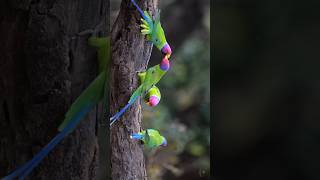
(145, 27)
(141, 75)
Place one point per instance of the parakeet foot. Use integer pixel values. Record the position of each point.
(142, 76)
(145, 27)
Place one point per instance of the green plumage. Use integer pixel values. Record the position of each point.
(153, 91)
(151, 138)
(94, 93)
(148, 79)
(82, 105)
(103, 49)
(153, 30)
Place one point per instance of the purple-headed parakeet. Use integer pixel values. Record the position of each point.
(149, 79)
(153, 30)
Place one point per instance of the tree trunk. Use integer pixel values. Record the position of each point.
(44, 66)
(130, 53)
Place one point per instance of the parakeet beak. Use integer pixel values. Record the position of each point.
(166, 49)
(165, 64)
(164, 143)
(153, 101)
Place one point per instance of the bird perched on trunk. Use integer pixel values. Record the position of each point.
(148, 79)
(153, 30)
(151, 138)
(90, 97)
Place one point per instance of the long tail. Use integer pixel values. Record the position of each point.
(140, 11)
(136, 136)
(31, 164)
(115, 117)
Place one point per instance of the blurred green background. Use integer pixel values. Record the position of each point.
(182, 115)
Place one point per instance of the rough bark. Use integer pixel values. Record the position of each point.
(130, 53)
(43, 68)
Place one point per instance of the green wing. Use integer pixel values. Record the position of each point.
(95, 91)
(146, 84)
(149, 79)
(93, 94)
(103, 45)
(147, 138)
(153, 138)
(158, 36)
(135, 94)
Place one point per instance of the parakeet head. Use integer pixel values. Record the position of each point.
(164, 142)
(153, 96)
(153, 101)
(165, 64)
(166, 49)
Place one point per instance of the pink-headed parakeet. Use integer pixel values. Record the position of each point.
(153, 96)
(148, 79)
(153, 30)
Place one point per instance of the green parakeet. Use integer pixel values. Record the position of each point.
(95, 92)
(82, 105)
(149, 79)
(153, 30)
(151, 138)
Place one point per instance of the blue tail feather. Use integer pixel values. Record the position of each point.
(31, 164)
(136, 136)
(17, 172)
(115, 117)
(140, 11)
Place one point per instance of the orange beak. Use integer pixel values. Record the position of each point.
(167, 56)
